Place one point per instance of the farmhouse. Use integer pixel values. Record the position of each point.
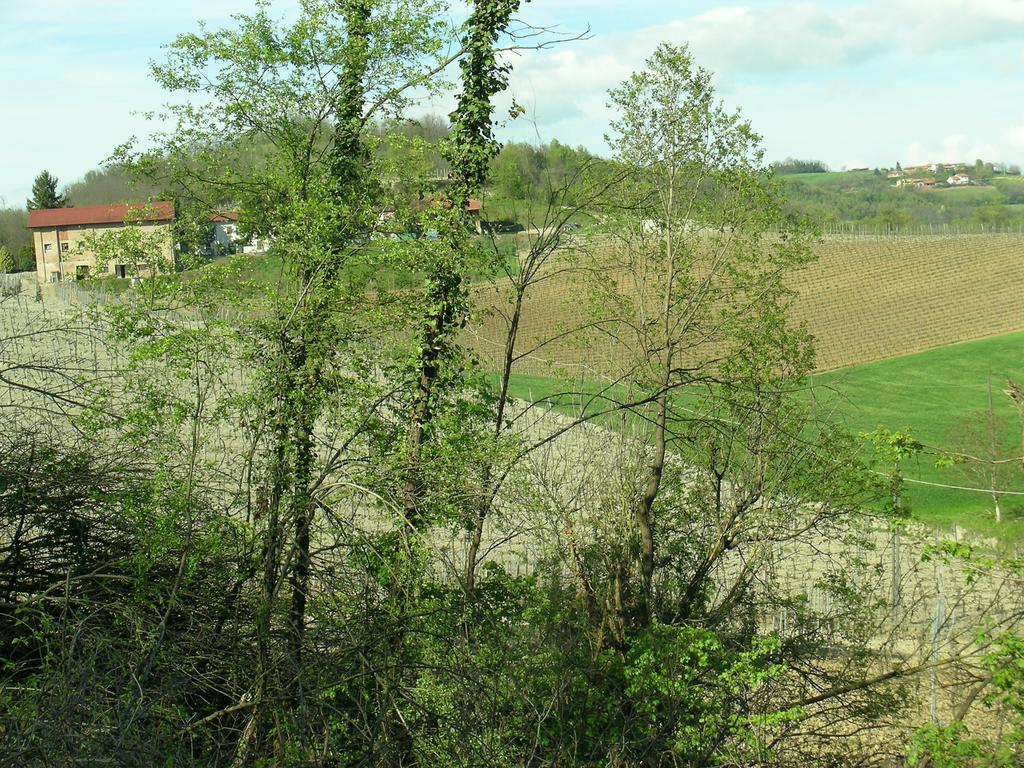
(959, 180)
(929, 182)
(225, 231)
(62, 239)
(228, 239)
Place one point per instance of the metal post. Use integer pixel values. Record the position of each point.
(937, 622)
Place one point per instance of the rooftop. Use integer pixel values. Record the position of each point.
(158, 210)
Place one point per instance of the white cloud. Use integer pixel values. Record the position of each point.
(952, 149)
(1015, 136)
(88, 59)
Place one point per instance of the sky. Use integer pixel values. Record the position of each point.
(861, 83)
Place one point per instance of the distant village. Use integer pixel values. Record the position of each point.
(918, 175)
(935, 175)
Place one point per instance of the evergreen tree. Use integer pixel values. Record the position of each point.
(44, 193)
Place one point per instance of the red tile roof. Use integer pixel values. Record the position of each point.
(226, 216)
(473, 205)
(158, 210)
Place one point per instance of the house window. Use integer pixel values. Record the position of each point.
(65, 247)
(120, 270)
(54, 277)
(47, 247)
(81, 272)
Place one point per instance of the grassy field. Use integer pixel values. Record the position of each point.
(835, 178)
(970, 195)
(937, 395)
(942, 396)
(268, 269)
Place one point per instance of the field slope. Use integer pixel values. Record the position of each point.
(864, 299)
(939, 395)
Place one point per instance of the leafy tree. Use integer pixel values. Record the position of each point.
(697, 169)
(26, 260)
(112, 184)
(44, 193)
(14, 234)
(982, 170)
(982, 453)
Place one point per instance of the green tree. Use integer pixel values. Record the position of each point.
(14, 234)
(44, 193)
(312, 91)
(697, 169)
(26, 261)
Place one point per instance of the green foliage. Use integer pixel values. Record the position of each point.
(15, 237)
(523, 171)
(44, 193)
(953, 746)
(688, 688)
(946, 747)
(791, 166)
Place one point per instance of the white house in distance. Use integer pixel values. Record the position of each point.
(226, 238)
(225, 230)
(958, 180)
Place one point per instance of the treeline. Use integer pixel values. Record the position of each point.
(523, 171)
(791, 166)
(523, 176)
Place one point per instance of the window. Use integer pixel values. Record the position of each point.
(120, 270)
(81, 272)
(47, 247)
(54, 277)
(65, 247)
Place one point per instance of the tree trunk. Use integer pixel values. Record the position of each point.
(644, 509)
(489, 493)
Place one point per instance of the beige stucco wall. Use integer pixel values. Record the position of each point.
(65, 263)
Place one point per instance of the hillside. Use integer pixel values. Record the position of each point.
(864, 299)
(872, 202)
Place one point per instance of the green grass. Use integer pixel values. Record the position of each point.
(1008, 183)
(837, 178)
(939, 395)
(935, 394)
(970, 195)
(528, 213)
(267, 270)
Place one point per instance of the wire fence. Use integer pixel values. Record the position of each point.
(945, 230)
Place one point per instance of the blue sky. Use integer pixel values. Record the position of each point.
(866, 83)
